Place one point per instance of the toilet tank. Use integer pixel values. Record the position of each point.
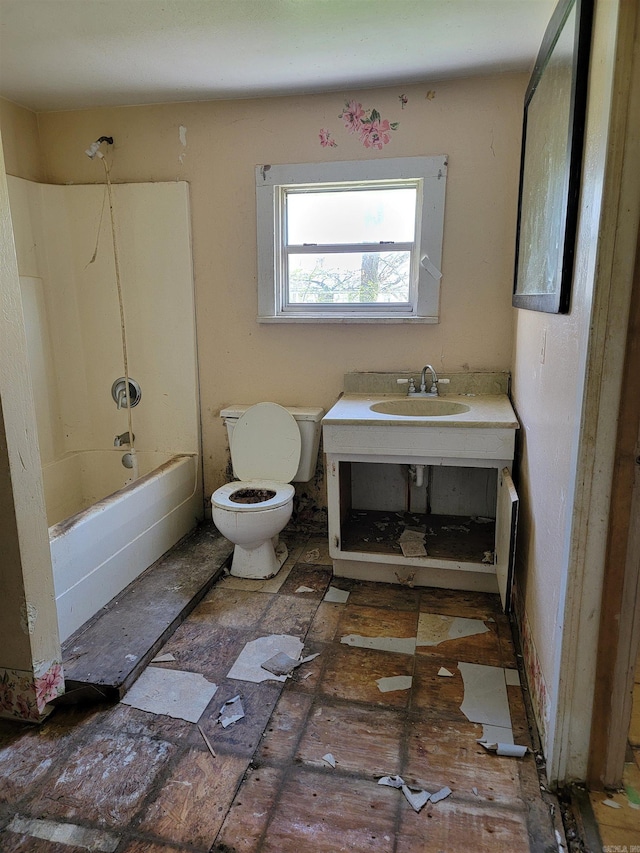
(309, 423)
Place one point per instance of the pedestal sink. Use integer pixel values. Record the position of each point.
(420, 407)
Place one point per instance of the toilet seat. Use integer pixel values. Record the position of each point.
(221, 498)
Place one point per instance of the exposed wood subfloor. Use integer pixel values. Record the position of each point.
(148, 783)
(108, 653)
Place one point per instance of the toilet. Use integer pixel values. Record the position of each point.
(271, 447)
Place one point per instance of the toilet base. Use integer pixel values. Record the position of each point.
(259, 563)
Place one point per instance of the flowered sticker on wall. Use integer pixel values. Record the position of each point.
(326, 139)
(373, 131)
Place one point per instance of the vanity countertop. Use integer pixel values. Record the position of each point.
(485, 412)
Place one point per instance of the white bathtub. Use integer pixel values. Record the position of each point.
(106, 531)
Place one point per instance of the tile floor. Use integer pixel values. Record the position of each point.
(114, 778)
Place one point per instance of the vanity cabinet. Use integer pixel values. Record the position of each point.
(464, 498)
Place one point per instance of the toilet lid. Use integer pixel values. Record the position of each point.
(265, 444)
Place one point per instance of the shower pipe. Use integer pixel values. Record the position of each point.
(92, 152)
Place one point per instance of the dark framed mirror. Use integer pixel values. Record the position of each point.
(551, 161)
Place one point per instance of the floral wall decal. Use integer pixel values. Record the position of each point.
(373, 131)
(403, 101)
(326, 140)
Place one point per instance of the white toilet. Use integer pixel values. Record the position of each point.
(270, 447)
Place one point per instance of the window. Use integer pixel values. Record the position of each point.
(350, 241)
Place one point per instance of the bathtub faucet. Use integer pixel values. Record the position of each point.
(125, 438)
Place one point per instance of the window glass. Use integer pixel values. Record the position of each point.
(351, 216)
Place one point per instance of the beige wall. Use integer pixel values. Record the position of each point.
(29, 647)
(476, 122)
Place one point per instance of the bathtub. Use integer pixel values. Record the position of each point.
(106, 529)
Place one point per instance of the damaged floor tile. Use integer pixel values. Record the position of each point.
(65, 833)
(231, 712)
(402, 645)
(248, 664)
(282, 664)
(496, 734)
(337, 596)
(434, 629)
(171, 692)
(394, 682)
(485, 695)
(508, 749)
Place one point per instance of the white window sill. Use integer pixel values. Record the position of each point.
(327, 319)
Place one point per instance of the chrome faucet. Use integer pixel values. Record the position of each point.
(125, 438)
(433, 391)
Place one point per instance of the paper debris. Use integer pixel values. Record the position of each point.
(131, 658)
(496, 734)
(434, 629)
(391, 781)
(475, 791)
(182, 695)
(413, 548)
(412, 534)
(488, 557)
(485, 694)
(442, 794)
(445, 672)
(231, 712)
(402, 645)
(329, 759)
(612, 804)
(162, 658)
(509, 749)
(416, 798)
(282, 664)
(305, 589)
(512, 677)
(394, 682)
(312, 556)
(65, 833)
(338, 596)
(248, 664)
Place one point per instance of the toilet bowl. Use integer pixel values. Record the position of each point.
(250, 513)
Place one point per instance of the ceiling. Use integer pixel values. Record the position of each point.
(73, 54)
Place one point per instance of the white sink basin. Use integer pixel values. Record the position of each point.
(422, 407)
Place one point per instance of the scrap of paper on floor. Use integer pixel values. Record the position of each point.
(182, 695)
(248, 664)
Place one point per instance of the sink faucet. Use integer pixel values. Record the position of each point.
(125, 438)
(433, 391)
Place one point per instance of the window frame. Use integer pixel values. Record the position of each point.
(272, 181)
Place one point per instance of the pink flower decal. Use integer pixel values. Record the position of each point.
(325, 139)
(49, 685)
(373, 131)
(376, 134)
(352, 115)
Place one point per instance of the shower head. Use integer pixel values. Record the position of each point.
(93, 150)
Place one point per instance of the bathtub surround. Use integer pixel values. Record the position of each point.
(65, 253)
